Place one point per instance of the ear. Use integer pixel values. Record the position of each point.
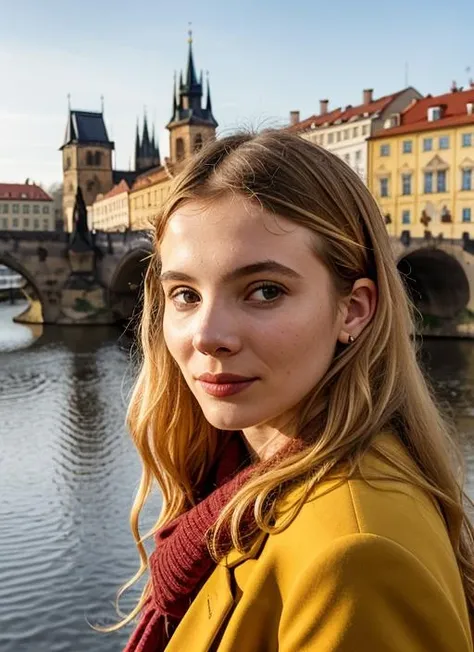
(358, 309)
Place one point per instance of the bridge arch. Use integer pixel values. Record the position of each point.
(436, 280)
(126, 284)
(14, 264)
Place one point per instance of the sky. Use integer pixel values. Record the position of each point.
(264, 59)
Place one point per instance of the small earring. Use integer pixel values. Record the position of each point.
(350, 339)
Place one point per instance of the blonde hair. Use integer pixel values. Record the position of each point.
(374, 384)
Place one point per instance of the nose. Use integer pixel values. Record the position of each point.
(217, 333)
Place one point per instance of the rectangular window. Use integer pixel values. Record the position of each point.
(347, 159)
(384, 150)
(406, 184)
(16, 208)
(407, 146)
(428, 186)
(338, 136)
(330, 139)
(4, 223)
(384, 187)
(466, 214)
(358, 155)
(427, 144)
(441, 181)
(26, 222)
(466, 140)
(365, 130)
(5, 208)
(444, 142)
(46, 209)
(355, 132)
(36, 209)
(406, 217)
(36, 224)
(466, 183)
(346, 134)
(26, 209)
(45, 224)
(15, 222)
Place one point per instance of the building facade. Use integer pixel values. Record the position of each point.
(25, 207)
(110, 212)
(344, 131)
(422, 171)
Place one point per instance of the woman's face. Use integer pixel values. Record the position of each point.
(246, 296)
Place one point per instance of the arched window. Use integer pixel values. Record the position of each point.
(89, 158)
(197, 142)
(179, 149)
(98, 158)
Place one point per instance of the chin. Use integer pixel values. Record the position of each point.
(232, 417)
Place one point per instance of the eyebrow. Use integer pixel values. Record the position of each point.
(238, 273)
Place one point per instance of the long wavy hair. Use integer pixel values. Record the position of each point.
(373, 385)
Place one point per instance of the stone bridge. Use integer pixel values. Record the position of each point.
(101, 284)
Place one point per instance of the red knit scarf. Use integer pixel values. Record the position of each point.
(181, 562)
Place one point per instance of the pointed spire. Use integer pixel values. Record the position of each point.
(146, 137)
(191, 79)
(174, 95)
(137, 148)
(208, 103)
(80, 240)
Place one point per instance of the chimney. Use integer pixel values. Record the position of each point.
(367, 95)
(454, 87)
(323, 107)
(471, 83)
(294, 117)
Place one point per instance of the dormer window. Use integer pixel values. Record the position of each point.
(434, 113)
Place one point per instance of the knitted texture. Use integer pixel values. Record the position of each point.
(181, 561)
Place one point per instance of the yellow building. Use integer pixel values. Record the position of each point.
(191, 125)
(422, 171)
(110, 212)
(25, 207)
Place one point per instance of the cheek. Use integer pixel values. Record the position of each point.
(174, 339)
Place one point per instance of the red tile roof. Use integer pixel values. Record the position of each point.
(117, 190)
(344, 115)
(23, 191)
(415, 116)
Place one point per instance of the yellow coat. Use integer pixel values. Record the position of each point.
(364, 567)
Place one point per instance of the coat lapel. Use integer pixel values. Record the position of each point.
(206, 614)
(209, 611)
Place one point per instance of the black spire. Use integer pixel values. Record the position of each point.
(146, 137)
(80, 238)
(208, 103)
(137, 148)
(189, 107)
(191, 79)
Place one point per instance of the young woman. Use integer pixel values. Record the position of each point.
(312, 499)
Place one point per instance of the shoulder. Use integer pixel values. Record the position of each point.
(381, 515)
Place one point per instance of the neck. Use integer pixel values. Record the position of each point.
(265, 440)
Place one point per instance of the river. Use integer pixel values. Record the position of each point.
(68, 473)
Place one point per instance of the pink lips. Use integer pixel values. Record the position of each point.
(222, 385)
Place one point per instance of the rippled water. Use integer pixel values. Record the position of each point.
(68, 473)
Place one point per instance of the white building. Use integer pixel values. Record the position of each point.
(344, 131)
(10, 279)
(25, 207)
(111, 212)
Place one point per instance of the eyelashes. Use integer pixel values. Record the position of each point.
(183, 297)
